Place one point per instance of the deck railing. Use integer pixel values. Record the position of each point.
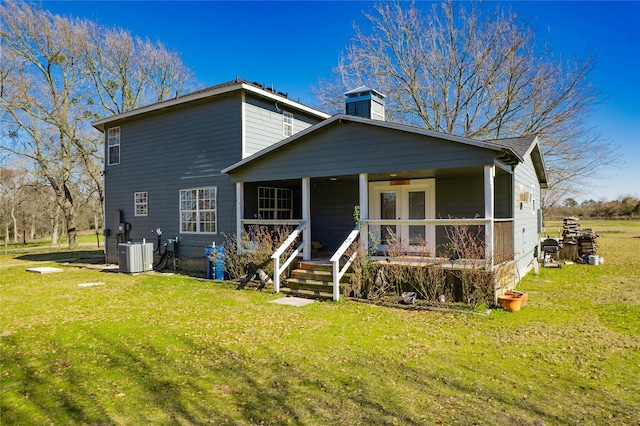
(338, 272)
(502, 240)
(273, 224)
(502, 244)
(277, 267)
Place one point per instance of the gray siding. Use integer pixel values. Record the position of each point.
(332, 205)
(348, 148)
(167, 152)
(526, 236)
(263, 123)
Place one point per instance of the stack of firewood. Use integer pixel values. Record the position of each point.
(585, 239)
(570, 229)
(587, 242)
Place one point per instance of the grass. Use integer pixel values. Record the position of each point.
(169, 349)
(84, 239)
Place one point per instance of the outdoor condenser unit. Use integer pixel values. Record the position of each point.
(135, 257)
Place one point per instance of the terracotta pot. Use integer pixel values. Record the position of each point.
(510, 302)
(523, 295)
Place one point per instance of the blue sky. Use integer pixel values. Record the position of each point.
(291, 44)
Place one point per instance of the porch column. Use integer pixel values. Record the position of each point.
(489, 199)
(306, 216)
(239, 214)
(363, 189)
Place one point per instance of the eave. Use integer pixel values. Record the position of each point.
(209, 93)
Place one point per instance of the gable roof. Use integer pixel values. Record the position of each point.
(520, 145)
(527, 145)
(210, 92)
(505, 152)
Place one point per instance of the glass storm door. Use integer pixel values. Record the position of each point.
(388, 210)
(416, 206)
(412, 201)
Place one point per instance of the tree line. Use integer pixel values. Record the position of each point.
(29, 211)
(625, 207)
(468, 69)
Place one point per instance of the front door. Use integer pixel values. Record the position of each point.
(403, 200)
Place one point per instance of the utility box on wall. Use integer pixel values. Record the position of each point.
(135, 257)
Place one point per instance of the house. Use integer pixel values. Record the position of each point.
(227, 154)
(163, 164)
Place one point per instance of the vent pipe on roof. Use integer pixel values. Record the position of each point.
(365, 102)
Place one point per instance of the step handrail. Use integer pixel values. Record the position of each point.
(338, 273)
(277, 268)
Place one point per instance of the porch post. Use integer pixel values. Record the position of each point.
(239, 214)
(306, 216)
(363, 187)
(489, 198)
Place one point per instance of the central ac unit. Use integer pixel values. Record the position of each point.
(135, 257)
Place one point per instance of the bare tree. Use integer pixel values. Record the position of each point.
(57, 74)
(461, 69)
(21, 202)
(127, 72)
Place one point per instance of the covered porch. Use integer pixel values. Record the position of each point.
(410, 210)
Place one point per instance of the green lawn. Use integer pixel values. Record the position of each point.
(165, 350)
(84, 239)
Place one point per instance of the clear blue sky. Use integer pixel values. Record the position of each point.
(291, 44)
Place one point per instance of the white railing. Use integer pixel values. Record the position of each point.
(277, 267)
(473, 221)
(496, 247)
(249, 247)
(338, 273)
(271, 221)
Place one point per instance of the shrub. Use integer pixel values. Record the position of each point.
(257, 243)
(418, 271)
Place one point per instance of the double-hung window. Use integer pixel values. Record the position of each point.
(198, 210)
(141, 203)
(113, 144)
(287, 124)
(275, 203)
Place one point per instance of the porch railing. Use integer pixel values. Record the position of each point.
(277, 267)
(272, 223)
(502, 244)
(502, 240)
(502, 232)
(338, 272)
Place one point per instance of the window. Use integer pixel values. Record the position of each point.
(140, 201)
(198, 210)
(275, 203)
(287, 123)
(533, 199)
(113, 144)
